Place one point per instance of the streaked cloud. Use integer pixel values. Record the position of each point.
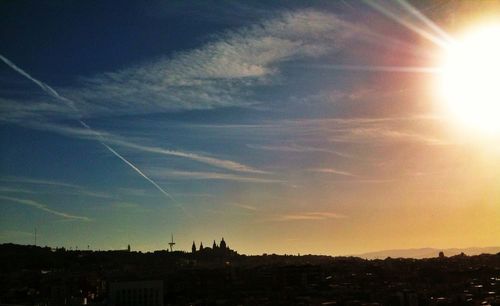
(121, 141)
(306, 216)
(217, 74)
(223, 72)
(197, 175)
(14, 190)
(382, 134)
(59, 188)
(245, 207)
(43, 107)
(44, 208)
(419, 129)
(331, 171)
(377, 130)
(24, 180)
(297, 148)
(216, 162)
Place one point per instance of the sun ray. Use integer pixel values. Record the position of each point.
(415, 12)
(393, 16)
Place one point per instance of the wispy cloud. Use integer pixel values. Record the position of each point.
(216, 162)
(306, 216)
(297, 148)
(44, 207)
(382, 134)
(195, 195)
(120, 141)
(245, 207)
(226, 71)
(25, 180)
(221, 73)
(377, 130)
(331, 171)
(420, 129)
(14, 190)
(368, 181)
(43, 107)
(62, 188)
(196, 175)
(75, 110)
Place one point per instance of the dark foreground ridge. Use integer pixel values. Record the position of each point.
(31, 275)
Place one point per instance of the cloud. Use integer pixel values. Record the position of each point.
(43, 207)
(383, 134)
(70, 103)
(24, 180)
(297, 149)
(219, 163)
(418, 129)
(120, 141)
(223, 72)
(331, 171)
(246, 207)
(367, 181)
(196, 175)
(307, 216)
(378, 130)
(13, 110)
(14, 190)
(62, 188)
(195, 195)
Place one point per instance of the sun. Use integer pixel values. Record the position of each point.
(469, 78)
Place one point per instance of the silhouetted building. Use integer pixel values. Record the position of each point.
(223, 244)
(33, 275)
(221, 250)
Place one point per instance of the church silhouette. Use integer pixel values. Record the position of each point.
(216, 250)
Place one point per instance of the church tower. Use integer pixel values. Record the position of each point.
(193, 248)
(223, 245)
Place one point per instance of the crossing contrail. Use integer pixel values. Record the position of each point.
(52, 92)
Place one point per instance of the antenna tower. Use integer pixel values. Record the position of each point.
(171, 243)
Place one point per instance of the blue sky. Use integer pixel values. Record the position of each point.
(268, 124)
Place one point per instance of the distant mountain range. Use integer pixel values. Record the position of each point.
(428, 252)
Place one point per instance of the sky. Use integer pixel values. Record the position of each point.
(308, 127)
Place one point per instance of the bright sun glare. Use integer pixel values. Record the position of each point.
(470, 78)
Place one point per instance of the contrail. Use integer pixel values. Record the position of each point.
(52, 92)
(128, 163)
